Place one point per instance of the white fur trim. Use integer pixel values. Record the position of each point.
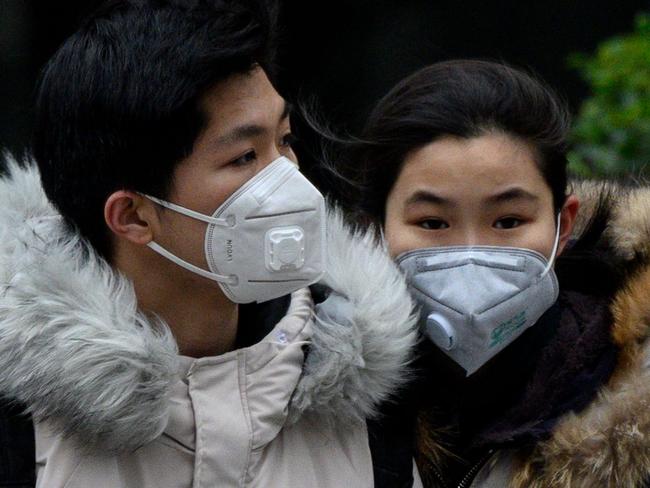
(73, 348)
(359, 361)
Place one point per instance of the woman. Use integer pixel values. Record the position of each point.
(527, 380)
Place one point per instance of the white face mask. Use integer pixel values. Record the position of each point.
(266, 240)
(478, 299)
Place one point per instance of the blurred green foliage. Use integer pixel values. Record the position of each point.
(611, 134)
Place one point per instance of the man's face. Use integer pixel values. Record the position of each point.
(248, 128)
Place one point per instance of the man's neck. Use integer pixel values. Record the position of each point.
(203, 321)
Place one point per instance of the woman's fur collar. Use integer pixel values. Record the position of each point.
(628, 215)
(75, 350)
(608, 444)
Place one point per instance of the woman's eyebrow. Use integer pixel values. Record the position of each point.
(426, 196)
(512, 194)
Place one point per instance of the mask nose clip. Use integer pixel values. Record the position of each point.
(441, 332)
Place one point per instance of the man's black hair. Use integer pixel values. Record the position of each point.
(118, 103)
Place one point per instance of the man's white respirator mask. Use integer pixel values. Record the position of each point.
(266, 240)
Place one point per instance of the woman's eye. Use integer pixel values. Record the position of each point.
(247, 158)
(433, 224)
(508, 223)
(288, 140)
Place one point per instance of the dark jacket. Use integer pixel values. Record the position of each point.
(567, 404)
(16, 448)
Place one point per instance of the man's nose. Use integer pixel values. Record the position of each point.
(268, 159)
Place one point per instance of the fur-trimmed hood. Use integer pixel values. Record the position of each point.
(75, 350)
(608, 443)
(628, 211)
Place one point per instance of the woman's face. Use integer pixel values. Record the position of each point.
(486, 190)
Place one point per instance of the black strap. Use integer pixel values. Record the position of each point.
(256, 320)
(392, 445)
(17, 450)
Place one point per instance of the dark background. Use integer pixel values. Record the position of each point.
(348, 53)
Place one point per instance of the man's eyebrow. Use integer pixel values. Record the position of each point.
(248, 131)
(425, 196)
(513, 194)
(288, 109)
(239, 133)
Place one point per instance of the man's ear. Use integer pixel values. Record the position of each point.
(567, 220)
(131, 216)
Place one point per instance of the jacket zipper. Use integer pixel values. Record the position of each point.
(471, 474)
(441, 479)
(469, 477)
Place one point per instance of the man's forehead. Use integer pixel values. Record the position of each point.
(243, 106)
(241, 89)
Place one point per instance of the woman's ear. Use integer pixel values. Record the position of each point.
(131, 216)
(567, 220)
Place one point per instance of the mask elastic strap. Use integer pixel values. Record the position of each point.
(230, 280)
(189, 213)
(551, 260)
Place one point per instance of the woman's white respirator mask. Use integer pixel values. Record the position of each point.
(475, 300)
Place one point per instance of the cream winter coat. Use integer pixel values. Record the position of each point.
(116, 406)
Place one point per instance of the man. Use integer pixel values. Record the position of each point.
(155, 318)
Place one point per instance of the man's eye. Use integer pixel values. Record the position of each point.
(508, 223)
(288, 140)
(433, 224)
(247, 158)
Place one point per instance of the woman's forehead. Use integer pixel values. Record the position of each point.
(491, 166)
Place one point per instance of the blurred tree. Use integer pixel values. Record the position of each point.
(611, 135)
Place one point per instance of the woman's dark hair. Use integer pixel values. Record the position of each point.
(119, 103)
(463, 98)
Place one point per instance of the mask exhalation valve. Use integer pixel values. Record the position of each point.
(285, 248)
(441, 332)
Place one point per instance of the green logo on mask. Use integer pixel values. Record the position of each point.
(507, 328)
